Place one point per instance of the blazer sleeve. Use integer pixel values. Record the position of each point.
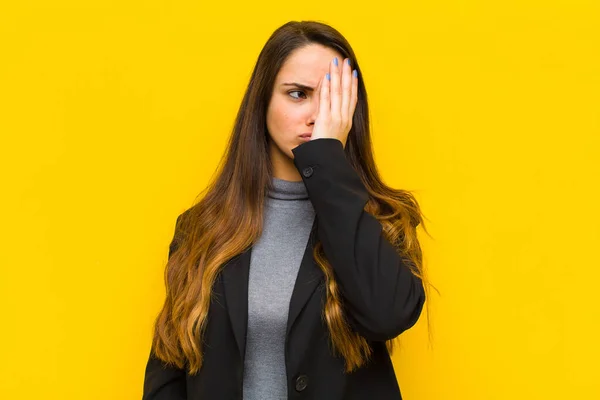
(382, 297)
(163, 381)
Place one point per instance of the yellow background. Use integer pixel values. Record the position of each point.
(113, 116)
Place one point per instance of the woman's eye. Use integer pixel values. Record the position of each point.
(295, 91)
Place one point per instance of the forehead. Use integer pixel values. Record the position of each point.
(307, 65)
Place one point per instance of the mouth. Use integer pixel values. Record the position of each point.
(306, 135)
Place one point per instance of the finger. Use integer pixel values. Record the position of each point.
(335, 91)
(354, 95)
(324, 106)
(346, 92)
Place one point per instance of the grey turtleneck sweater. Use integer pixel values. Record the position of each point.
(274, 264)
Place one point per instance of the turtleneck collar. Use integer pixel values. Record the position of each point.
(288, 190)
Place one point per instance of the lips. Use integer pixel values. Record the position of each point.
(306, 135)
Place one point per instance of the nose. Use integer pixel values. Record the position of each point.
(314, 111)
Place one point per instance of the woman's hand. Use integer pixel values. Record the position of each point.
(337, 102)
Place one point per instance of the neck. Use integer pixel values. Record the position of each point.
(283, 165)
(287, 190)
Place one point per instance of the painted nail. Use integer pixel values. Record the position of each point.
(335, 62)
(328, 78)
(348, 61)
(355, 73)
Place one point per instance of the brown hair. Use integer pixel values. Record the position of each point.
(228, 218)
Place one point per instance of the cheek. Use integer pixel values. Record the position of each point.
(284, 119)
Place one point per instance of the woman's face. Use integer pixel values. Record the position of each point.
(293, 109)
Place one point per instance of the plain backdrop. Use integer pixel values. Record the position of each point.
(114, 115)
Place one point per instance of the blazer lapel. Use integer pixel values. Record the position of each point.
(235, 280)
(309, 276)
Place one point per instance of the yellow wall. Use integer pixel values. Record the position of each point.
(113, 117)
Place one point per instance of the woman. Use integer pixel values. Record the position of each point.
(293, 274)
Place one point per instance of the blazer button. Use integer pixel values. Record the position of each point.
(307, 172)
(301, 382)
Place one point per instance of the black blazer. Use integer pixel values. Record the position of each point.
(382, 299)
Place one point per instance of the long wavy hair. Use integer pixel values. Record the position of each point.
(228, 218)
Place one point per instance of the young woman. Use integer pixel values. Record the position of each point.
(292, 275)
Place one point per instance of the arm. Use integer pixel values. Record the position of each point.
(162, 381)
(382, 296)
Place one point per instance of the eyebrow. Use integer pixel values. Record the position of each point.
(299, 85)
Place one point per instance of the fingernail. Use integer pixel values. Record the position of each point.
(348, 61)
(355, 73)
(328, 78)
(335, 62)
